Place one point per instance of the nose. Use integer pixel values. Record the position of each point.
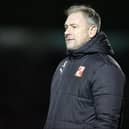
(67, 31)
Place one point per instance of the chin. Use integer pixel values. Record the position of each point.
(71, 48)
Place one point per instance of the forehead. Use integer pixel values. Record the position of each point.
(76, 18)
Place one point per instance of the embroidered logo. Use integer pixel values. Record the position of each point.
(63, 66)
(80, 71)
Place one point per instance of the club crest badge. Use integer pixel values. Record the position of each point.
(80, 71)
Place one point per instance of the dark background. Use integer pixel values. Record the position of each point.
(31, 46)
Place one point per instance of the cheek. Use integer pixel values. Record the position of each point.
(81, 36)
(78, 35)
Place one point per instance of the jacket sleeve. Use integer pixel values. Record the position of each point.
(107, 90)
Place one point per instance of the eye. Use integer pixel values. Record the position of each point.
(74, 26)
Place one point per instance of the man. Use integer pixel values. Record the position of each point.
(87, 87)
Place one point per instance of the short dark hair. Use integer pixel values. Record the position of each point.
(92, 16)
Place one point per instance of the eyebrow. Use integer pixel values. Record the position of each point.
(70, 24)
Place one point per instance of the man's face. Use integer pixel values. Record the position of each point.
(76, 30)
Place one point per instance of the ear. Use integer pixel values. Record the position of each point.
(92, 31)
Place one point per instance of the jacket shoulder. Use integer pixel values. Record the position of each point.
(98, 60)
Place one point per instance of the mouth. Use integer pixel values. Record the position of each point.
(69, 39)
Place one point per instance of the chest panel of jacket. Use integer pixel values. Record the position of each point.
(71, 91)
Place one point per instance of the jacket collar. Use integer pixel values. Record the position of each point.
(98, 44)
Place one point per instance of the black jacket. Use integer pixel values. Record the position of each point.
(87, 88)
